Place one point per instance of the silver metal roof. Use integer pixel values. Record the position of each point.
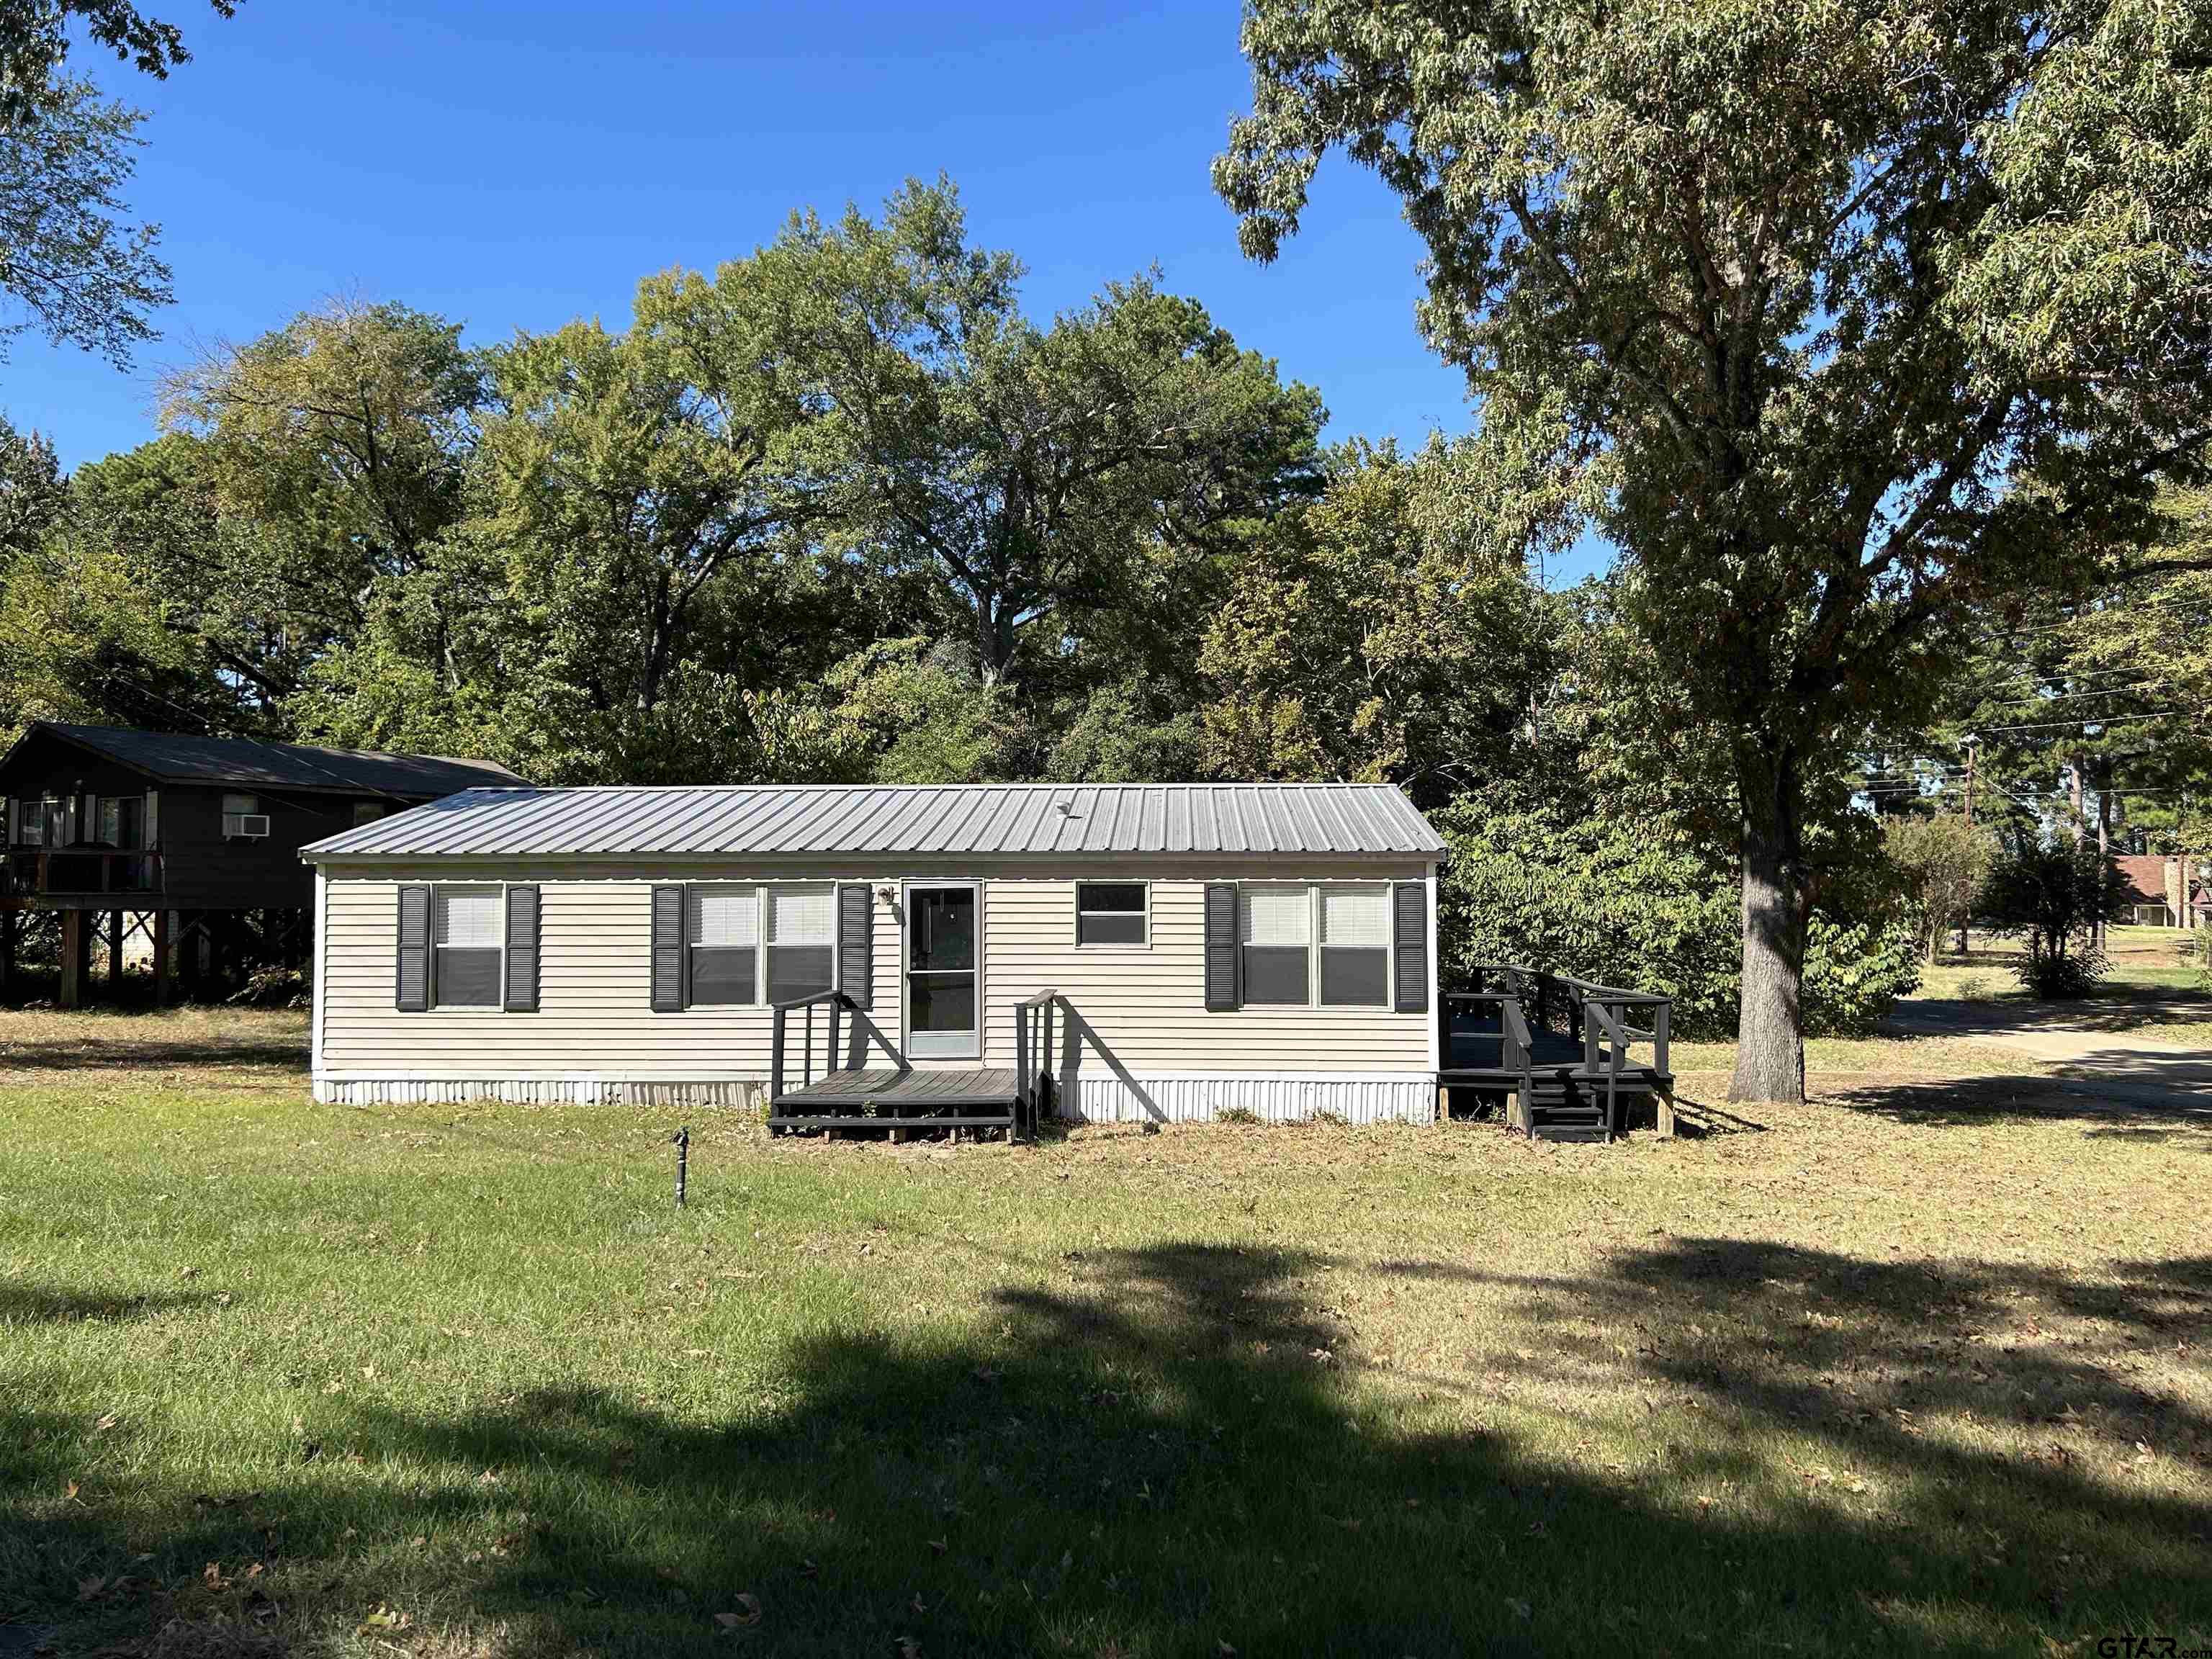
(985, 819)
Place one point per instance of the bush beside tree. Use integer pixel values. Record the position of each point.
(2050, 891)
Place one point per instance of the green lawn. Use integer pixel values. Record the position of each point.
(1919, 1367)
(2154, 984)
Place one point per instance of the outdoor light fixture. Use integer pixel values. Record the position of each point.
(682, 1141)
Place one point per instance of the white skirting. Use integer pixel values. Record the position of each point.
(1089, 1097)
(1369, 1098)
(539, 1090)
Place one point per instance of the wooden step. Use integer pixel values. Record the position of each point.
(1576, 1134)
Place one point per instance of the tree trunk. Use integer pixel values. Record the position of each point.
(1770, 1052)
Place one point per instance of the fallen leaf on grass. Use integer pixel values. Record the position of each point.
(383, 1618)
(748, 1613)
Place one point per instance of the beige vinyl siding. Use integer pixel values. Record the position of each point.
(1143, 1005)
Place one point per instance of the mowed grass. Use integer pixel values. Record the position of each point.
(1919, 1367)
(2155, 984)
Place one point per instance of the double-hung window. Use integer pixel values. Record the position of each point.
(801, 951)
(466, 931)
(1320, 945)
(722, 926)
(1276, 931)
(1355, 947)
(1109, 913)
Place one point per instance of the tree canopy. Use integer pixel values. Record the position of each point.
(1801, 292)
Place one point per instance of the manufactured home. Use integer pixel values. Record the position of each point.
(1157, 951)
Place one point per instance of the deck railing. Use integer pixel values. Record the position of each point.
(1035, 1044)
(839, 1005)
(78, 871)
(1529, 1004)
(1540, 993)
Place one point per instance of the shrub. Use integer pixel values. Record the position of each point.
(1942, 862)
(1631, 898)
(1854, 971)
(2050, 891)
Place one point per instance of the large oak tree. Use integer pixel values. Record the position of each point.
(1802, 286)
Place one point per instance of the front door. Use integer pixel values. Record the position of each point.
(942, 940)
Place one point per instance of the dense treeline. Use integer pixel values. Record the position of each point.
(1876, 340)
(840, 511)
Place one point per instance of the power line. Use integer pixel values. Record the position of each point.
(2070, 726)
(2071, 696)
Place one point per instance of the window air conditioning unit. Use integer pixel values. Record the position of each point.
(247, 826)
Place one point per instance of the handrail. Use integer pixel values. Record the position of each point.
(121, 870)
(1519, 1038)
(1594, 1016)
(838, 1003)
(1034, 1049)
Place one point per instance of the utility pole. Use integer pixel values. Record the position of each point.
(1973, 743)
(2103, 847)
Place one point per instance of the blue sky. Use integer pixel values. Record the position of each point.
(513, 165)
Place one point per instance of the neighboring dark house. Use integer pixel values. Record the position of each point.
(194, 840)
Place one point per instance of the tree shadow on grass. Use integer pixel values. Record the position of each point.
(1171, 1449)
(2147, 1103)
(51, 1305)
(152, 1053)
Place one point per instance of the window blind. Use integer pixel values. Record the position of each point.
(801, 915)
(724, 917)
(1277, 915)
(469, 917)
(1355, 919)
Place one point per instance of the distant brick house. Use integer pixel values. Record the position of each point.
(2165, 891)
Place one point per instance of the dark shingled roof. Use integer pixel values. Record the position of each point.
(173, 758)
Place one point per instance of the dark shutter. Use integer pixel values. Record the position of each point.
(522, 950)
(855, 944)
(1413, 906)
(412, 981)
(667, 949)
(1220, 946)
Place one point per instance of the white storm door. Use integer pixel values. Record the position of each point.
(943, 974)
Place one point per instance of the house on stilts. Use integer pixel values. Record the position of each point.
(183, 852)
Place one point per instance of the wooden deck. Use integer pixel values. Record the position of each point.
(883, 1097)
(1558, 1050)
(903, 1095)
